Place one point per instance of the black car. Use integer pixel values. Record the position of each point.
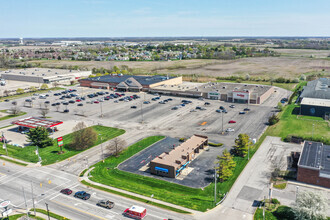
(207, 103)
(54, 104)
(47, 102)
(82, 195)
(65, 103)
(133, 106)
(246, 109)
(169, 99)
(221, 107)
(7, 100)
(28, 100)
(198, 107)
(57, 103)
(80, 104)
(66, 111)
(71, 101)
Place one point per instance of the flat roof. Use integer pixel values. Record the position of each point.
(33, 122)
(316, 102)
(171, 158)
(143, 80)
(319, 88)
(42, 72)
(184, 86)
(316, 155)
(224, 87)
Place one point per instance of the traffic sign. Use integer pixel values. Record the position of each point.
(4, 204)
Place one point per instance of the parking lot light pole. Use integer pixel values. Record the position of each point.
(222, 120)
(142, 112)
(4, 143)
(215, 186)
(101, 110)
(47, 211)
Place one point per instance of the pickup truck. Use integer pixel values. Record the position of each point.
(82, 195)
(106, 204)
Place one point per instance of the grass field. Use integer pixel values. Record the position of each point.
(292, 124)
(50, 154)
(197, 199)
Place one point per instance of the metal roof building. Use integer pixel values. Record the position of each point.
(33, 122)
(319, 89)
(314, 164)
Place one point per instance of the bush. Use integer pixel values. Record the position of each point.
(296, 80)
(215, 145)
(273, 119)
(182, 139)
(275, 201)
(287, 138)
(284, 213)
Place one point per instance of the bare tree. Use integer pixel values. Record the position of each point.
(83, 137)
(116, 146)
(15, 110)
(6, 93)
(276, 169)
(57, 107)
(44, 112)
(40, 104)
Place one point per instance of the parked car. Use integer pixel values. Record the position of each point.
(230, 130)
(96, 102)
(207, 103)
(82, 195)
(106, 204)
(232, 122)
(66, 191)
(133, 106)
(198, 107)
(28, 100)
(78, 100)
(241, 113)
(221, 107)
(47, 102)
(65, 103)
(175, 108)
(218, 110)
(246, 109)
(146, 102)
(54, 104)
(80, 104)
(36, 94)
(193, 110)
(202, 108)
(66, 111)
(232, 106)
(7, 100)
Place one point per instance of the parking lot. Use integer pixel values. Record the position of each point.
(155, 117)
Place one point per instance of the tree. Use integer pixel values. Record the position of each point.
(310, 205)
(226, 165)
(44, 86)
(247, 76)
(33, 89)
(273, 119)
(280, 106)
(39, 137)
(116, 146)
(83, 137)
(15, 110)
(20, 91)
(44, 112)
(303, 77)
(242, 145)
(57, 107)
(6, 93)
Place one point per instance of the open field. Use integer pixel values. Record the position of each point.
(50, 154)
(303, 53)
(263, 67)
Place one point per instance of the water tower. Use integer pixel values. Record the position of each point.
(21, 41)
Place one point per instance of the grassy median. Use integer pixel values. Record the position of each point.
(50, 154)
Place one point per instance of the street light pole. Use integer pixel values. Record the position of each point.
(222, 120)
(27, 212)
(101, 110)
(4, 143)
(34, 207)
(142, 112)
(215, 186)
(47, 211)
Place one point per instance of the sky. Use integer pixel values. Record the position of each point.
(163, 18)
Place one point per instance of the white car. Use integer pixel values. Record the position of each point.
(230, 130)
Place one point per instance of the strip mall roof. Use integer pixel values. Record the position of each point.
(33, 122)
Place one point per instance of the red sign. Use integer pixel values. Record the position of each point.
(4, 204)
(60, 141)
(241, 95)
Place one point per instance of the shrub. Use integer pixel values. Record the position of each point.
(182, 139)
(296, 80)
(273, 119)
(275, 201)
(215, 145)
(284, 213)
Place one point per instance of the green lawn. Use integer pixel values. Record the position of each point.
(292, 124)
(25, 94)
(197, 199)
(50, 154)
(10, 116)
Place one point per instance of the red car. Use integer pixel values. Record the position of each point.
(66, 191)
(78, 100)
(232, 122)
(96, 102)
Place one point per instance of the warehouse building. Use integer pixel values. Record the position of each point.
(315, 98)
(43, 75)
(171, 164)
(129, 82)
(229, 92)
(314, 164)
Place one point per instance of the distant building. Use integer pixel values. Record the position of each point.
(314, 164)
(315, 98)
(43, 75)
(170, 164)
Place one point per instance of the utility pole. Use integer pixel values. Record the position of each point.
(27, 212)
(222, 120)
(34, 207)
(215, 186)
(101, 110)
(47, 211)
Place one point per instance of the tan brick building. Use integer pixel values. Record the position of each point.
(171, 164)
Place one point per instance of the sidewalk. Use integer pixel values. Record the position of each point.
(85, 177)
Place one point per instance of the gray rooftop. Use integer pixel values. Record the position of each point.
(319, 88)
(44, 72)
(223, 87)
(143, 80)
(316, 155)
